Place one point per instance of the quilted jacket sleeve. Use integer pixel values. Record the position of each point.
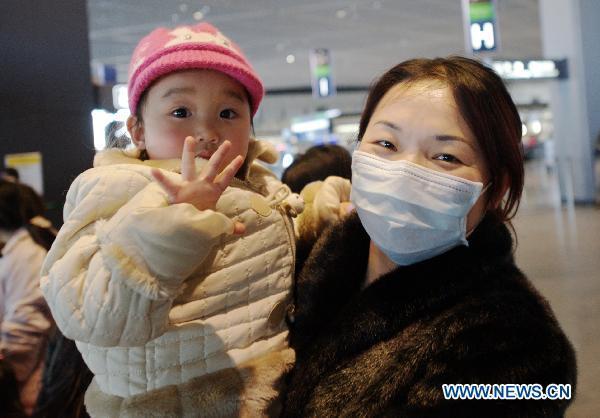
(121, 257)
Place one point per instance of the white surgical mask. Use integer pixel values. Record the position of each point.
(411, 213)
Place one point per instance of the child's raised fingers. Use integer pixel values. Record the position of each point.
(188, 166)
(166, 183)
(212, 168)
(225, 176)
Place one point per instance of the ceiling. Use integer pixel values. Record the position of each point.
(365, 37)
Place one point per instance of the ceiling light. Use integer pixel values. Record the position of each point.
(290, 59)
(198, 15)
(288, 159)
(183, 7)
(332, 113)
(347, 128)
(310, 125)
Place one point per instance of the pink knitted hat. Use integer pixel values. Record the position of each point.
(202, 46)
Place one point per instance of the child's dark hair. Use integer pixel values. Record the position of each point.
(318, 163)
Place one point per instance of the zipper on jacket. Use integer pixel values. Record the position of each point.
(246, 185)
(289, 227)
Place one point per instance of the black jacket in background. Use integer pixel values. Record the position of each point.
(466, 316)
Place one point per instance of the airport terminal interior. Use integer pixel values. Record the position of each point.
(558, 238)
(317, 59)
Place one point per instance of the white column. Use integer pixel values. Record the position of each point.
(570, 30)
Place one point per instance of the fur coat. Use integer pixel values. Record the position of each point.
(466, 316)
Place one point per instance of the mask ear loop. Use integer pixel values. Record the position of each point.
(485, 189)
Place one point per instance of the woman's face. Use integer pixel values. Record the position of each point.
(421, 123)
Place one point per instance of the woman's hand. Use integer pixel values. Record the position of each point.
(346, 209)
(203, 189)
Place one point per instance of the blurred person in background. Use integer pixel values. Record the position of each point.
(10, 174)
(318, 163)
(25, 320)
(34, 210)
(320, 174)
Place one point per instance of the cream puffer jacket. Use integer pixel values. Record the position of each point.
(157, 294)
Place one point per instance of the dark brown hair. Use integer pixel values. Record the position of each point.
(19, 203)
(12, 210)
(318, 163)
(485, 105)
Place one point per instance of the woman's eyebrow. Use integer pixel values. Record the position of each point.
(389, 125)
(448, 138)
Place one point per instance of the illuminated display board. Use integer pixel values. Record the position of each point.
(530, 69)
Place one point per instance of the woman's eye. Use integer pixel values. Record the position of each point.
(181, 113)
(387, 144)
(227, 114)
(449, 158)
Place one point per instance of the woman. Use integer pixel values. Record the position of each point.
(419, 288)
(24, 316)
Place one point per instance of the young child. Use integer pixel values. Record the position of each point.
(174, 266)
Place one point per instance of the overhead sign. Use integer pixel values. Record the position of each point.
(321, 72)
(103, 74)
(531, 69)
(29, 166)
(480, 22)
(315, 121)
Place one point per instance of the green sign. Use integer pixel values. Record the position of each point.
(482, 11)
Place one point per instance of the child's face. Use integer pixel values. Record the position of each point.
(205, 104)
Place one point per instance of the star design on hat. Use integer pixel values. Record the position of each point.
(186, 35)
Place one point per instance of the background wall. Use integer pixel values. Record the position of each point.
(45, 90)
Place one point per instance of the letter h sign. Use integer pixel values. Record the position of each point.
(480, 25)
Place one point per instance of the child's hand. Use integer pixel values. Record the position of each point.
(204, 189)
